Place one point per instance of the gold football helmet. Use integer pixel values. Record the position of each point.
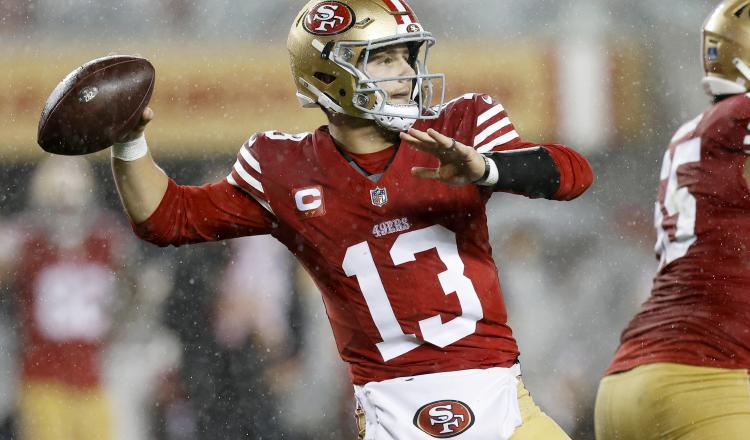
(726, 48)
(329, 45)
(62, 198)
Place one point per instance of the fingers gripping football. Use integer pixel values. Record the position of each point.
(146, 117)
(459, 164)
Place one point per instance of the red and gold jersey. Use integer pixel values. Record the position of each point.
(66, 296)
(404, 264)
(699, 309)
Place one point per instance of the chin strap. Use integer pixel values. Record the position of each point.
(742, 67)
(715, 86)
(402, 117)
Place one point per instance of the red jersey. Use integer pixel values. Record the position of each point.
(404, 264)
(699, 309)
(66, 296)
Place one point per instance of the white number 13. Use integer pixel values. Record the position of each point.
(358, 262)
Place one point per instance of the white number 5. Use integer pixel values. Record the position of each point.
(674, 217)
(358, 262)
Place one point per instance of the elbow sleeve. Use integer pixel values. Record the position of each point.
(528, 171)
(550, 171)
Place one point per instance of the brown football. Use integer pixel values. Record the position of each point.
(96, 105)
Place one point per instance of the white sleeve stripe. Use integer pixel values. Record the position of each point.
(250, 180)
(262, 202)
(492, 129)
(484, 117)
(518, 150)
(504, 139)
(254, 164)
(747, 140)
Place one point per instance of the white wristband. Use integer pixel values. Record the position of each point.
(130, 151)
(494, 173)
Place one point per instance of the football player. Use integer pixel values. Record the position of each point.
(385, 207)
(681, 371)
(63, 256)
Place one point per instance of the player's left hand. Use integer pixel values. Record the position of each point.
(459, 163)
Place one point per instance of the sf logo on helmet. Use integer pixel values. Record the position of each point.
(329, 18)
(444, 418)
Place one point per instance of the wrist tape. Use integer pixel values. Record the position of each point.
(130, 151)
(491, 173)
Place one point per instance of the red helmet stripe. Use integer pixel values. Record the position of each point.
(396, 6)
(408, 9)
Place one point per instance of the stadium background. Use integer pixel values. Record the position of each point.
(612, 79)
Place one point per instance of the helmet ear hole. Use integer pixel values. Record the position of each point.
(324, 77)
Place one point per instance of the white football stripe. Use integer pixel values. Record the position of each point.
(504, 139)
(486, 116)
(251, 141)
(252, 181)
(747, 140)
(492, 129)
(262, 202)
(250, 159)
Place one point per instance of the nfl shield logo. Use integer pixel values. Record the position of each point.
(378, 196)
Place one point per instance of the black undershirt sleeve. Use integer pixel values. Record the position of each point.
(528, 171)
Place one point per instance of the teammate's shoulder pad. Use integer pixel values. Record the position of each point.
(736, 107)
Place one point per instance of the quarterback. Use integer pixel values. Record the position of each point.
(385, 208)
(681, 371)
